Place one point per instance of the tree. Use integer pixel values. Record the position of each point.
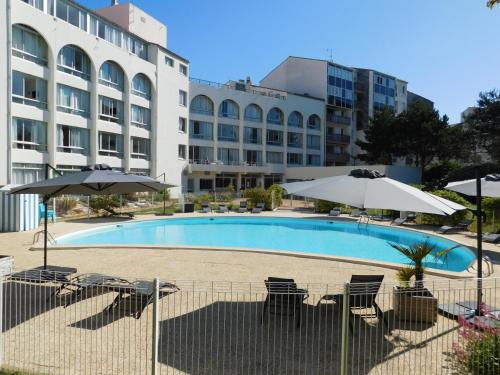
(484, 125)
(380, 141)
(492, 3)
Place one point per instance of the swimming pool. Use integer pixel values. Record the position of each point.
(337, 238)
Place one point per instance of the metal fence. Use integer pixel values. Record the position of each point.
(102, 325)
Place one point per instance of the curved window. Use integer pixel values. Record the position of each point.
(253, 113)
(73, 60)
(29, 45)
(314, 122)
(275, 116)
(202, 104)
(295, 120)
(229, 109)
(111, 75)
(141, 86)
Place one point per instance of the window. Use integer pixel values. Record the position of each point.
(272, 180)
(201, 154)
(140, 117)
(229, 156)
(206, 184)
(24, 173)
(71, 14)
(252, 157)
(230, 109)
(314, 122)
(294, 158)
(274, 138)
(295, 120)
(73, 140)
(273, 157)
(72, 100)
(110, 110)
(29, 90)
(29, 134)
(200, 130)
(35, 3)
(182, 98)
(183, 69)
(137, 47)
(29, 45)
(67, 169)
(294, 140)
(110, 144)
(169, 61)
(252, 135)
(182, 124)
(141, 86)
(275, 116)
(111, 75)
(203, 105)
(140, 171)
(140, 148)
(253, 113)
(103, 30)
(182, 152)
(228, 133)
(313, 142)
(73, 60)
(313, 160)
(190, 185)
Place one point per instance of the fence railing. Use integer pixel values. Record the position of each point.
(94, 324)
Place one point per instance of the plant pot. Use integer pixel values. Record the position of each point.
(415, 305)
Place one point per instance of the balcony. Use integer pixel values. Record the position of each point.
(338, 138)
(338, 158)
(218, 166)
(340, 120)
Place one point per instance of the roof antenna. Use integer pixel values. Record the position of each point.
(330, 54)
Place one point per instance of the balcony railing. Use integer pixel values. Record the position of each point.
(271, 94)
(342, 120)
(338, 138)
(226, 162)
(338, 157)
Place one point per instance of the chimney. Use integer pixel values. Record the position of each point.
(249, 81)
(114, 2)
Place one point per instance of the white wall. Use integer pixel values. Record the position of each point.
(4, 105)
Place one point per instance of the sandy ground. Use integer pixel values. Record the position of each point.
(214, 327)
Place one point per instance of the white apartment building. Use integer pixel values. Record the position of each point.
(247, 136)
(82, 87)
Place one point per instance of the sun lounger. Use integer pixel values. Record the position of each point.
(222, 209)
(399, 221)
(259, 207)
(363, 291)
(112, 212)
(358, 213)
(334, 212)
(243, 207)
(492, 238)
(55, 274)
(134, 297)
(205, 207)
(283, 298)
(456, 228)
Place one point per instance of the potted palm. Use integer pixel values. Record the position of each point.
(412, 301)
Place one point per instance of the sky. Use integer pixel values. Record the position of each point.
(448, 50)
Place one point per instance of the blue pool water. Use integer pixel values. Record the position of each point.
(296, 235)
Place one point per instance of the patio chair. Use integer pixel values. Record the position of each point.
(134, 297)
(283, 298)
(222, 209)
(243, 207)
(358, 213)
(492, 238)
(205, 207)
(55, 274)
(334, 212)
(456, 228)
(399, 221)
(259, 207)
(363, 291)
(41, 213)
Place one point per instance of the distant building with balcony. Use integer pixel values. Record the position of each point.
(247, 136)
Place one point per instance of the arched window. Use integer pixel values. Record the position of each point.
(228, 108)
(314, 122)
(141, 86)
(73, 60)
(202, 104)
(295, 120)
(275, 116)
(29, 45)
(111, 74)
(253, 113)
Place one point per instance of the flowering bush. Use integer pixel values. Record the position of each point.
(478, 350)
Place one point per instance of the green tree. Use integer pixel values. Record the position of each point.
(381, 138)
(492, 3)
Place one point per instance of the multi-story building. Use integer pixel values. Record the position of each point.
(245, 135)
(83, 87)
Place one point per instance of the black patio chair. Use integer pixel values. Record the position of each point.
(283, 298)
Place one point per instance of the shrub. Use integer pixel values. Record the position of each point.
(104, 202)
(456, 218)
(67, 204)
(258, 195)
(326, 206)
(276, 193)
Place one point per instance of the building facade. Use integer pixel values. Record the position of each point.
(86, 87)
(247, 136)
